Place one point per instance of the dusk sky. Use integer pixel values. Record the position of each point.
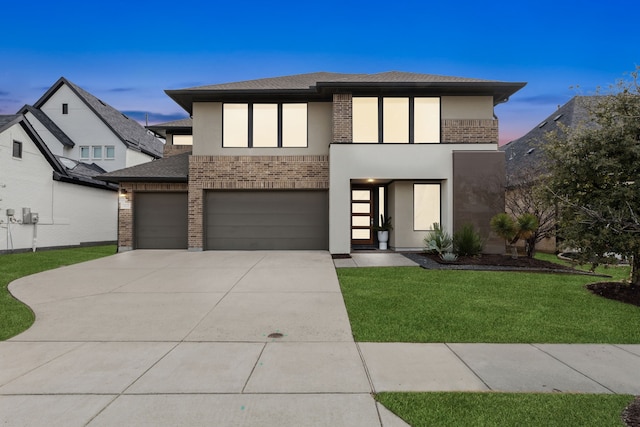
(128, 52)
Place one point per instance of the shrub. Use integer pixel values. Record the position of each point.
(467, 241)
(438, 241)
(448, 257)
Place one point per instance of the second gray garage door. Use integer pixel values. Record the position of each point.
(279, 220)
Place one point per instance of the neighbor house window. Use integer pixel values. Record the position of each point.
(262, 125)
(84, 152)
(182, 139)
(17, 149)
(110, 152)
(426, 206)
(65, 108)
(96, 151)
(396, 120)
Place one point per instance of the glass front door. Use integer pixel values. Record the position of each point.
(362, 216)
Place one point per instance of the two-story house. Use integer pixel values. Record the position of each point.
(77, 125)
(311, 161)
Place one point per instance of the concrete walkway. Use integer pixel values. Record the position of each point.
(169, 338)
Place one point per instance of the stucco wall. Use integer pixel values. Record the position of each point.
(429, 162)
(466, 107)
(69, 214)
(207, 133)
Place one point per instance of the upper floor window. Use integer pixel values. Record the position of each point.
(65, 108)
(84, 152)
(264, 125)
(109, 152)
(17, 149)
(96, 151)
(413, 120)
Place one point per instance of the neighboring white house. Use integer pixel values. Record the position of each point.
(75, 124)
(46, 199)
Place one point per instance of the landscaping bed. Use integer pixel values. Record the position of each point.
(501, 261)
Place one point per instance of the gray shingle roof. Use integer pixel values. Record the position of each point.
(525, 153)
(322, 84)
(176, 126)
(6, 119)
(49, 124)
(130, 132)
(169, 169)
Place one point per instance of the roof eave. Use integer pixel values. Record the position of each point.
(118, 179)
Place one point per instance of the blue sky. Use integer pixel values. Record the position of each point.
(128, 52)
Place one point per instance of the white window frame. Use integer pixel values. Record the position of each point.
(88, 148)
(106, 152)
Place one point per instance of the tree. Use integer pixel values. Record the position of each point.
(527, 196)
(595, 177)
(512, 230)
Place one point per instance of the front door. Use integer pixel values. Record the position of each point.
(362, 216)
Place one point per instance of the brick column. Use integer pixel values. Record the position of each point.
(342, 118)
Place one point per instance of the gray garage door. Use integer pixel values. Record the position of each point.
(248, 220)
(160, 220)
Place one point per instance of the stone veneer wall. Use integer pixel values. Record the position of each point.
(476, 131)
(249, 173)
(125, 216)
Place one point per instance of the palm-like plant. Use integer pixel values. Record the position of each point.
(512, 230)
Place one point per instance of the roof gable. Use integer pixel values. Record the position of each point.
(130, 132)
(62, 170)
(49, 124)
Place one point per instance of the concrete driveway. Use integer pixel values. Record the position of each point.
(177, 338)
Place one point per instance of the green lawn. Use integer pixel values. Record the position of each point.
(411, 304)
(15, 317)
(507, 409)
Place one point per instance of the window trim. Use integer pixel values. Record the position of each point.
(280, 130)
(88, 156)
(411, 123)
(106, 151)
(20, 147)
(439, 184)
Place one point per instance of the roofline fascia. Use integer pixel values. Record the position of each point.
(143, 179)
(27, 109)
(84, 182)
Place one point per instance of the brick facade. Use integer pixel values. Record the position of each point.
(342, 117)
(125, 216)
(469, 131)
(249, 173)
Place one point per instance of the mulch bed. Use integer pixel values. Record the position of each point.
(501, 261)
(631, 414)
(617, 291)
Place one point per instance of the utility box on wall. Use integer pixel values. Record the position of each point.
(29, 217)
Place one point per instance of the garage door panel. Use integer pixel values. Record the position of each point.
(160, 220)
(267, 220)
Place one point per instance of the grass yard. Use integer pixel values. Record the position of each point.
(15, 317)
(506, 409)
(411, 304)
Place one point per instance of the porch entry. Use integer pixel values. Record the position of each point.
(367, 204)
